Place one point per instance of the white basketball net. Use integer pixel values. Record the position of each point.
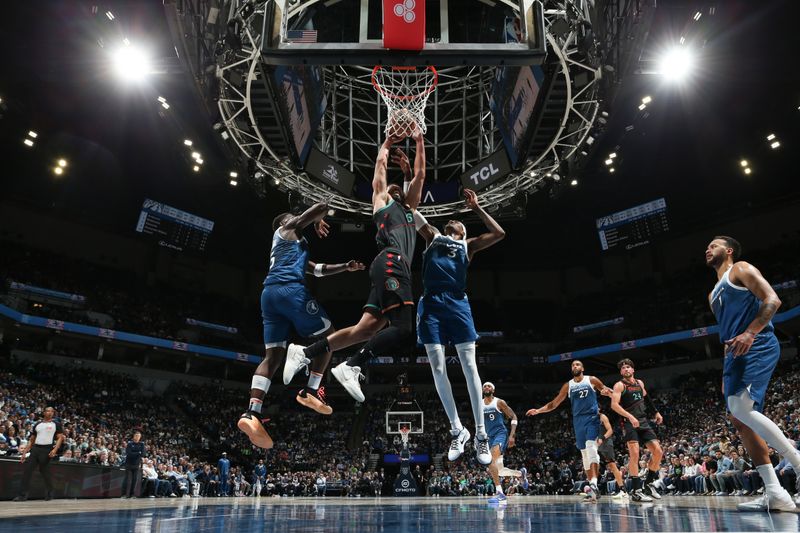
(405, 92)
(404, 432)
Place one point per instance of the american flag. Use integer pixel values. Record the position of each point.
(700, 332)
(629, 345)
(301, 36)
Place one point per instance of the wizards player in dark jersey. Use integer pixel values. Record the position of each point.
(388, 319)
(582, 393)
(444, 316)
(630, 401)
(744, 303)
(286, 304)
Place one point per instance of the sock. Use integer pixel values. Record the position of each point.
(651, 475)
(498, 488)
(314, 379)
(593, 482)
(258, 386)
(439, 368)
(360, 358)
(466, 355)
(636, 483)
(318, 348)
(770, 478)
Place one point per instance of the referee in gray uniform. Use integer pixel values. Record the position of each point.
(43, 443)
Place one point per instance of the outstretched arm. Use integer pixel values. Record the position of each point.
(414, 193)
(598, 385)
(428, 231)
(495, 234)
(323, 269)
(552, 404)
(313, 214)
(503, 406)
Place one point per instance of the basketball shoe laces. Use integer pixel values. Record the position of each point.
(483, 446)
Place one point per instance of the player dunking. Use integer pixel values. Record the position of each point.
(744, 303)
(286, 303)
(444, 316)
(630, 401)
(494, 412)
(582, 393)
(390, 300)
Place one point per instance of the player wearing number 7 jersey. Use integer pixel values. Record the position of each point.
(444, 316)
(582, 392)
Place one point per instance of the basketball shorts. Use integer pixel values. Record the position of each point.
(445, 318)
(753, 370)
(290, 306)
(606, 451)
(587, 427)
(390, 276)
(499, 439)
(643, 434)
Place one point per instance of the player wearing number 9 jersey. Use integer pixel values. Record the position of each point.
(499, 439)
(582, 392)
(444, 317)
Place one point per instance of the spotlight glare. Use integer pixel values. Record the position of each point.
(744, 162)
(234, 174)
(647, 99)
(58, 171)
(676, 64)
(196, 168)
(165, 105)
(697, 16)
(199, 161)
(574, 183)
(187, 142)
(609, 161)
(110, 15)
(27, 142)
(62, 163)
(32, 134)
(774, 145)
(612, 155)
(131, 63)
(641, 107)
(195, 155)
(234, 183)
(748, 170)
(770, 136)
(161, 99)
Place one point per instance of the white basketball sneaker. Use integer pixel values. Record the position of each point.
(781, 501)
(482, 452)
(295, 360)
(349, 377)
(460, 438)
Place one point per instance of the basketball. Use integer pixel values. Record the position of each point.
(401, 123)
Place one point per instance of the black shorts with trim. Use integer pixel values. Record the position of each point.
(643, 434)
(606, 451)
(390, 276)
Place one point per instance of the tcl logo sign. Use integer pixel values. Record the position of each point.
(487, 171)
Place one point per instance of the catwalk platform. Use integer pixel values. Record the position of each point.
(388, 515)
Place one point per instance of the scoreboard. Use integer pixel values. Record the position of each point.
(172, 227)
(633, 227)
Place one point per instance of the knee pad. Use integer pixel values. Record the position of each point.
(587, 464)
(591, 452)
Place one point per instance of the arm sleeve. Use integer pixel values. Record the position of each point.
(419, 220)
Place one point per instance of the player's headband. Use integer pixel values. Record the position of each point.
(488, 384)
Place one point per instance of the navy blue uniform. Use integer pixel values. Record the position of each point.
(443, 314)
(494, 420)
(585, 417)
(390, 271)
(285, 300)
(735, 308)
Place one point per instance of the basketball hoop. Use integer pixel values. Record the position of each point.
(404, 432)
(405, 92)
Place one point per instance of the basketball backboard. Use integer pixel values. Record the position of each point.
(395, 420)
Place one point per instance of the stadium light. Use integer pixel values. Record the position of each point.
(187, 142)
(234, 183)
(609, 161)
(110, 15)
(58, 171)
(775, 145)
(676, 64)
(32, 134)
(234, 174)
(612, 155)
(744, 163)
(195, 155)
(62, 163)
(642, 107)
(131, 63)
(697, 16)
(770, 136)
(612, 170)
(28, 143)
(199, 161)
(748, 171)
(196, 168)
(574, 183)
(647, 99)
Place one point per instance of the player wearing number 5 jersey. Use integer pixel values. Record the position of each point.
(444, 316)
(582, 393)
(285, 304)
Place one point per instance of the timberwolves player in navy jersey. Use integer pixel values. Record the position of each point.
(582, 393)
(744, 303)
(286, 304)
(390, 302)
(495, 412)
(444, 316)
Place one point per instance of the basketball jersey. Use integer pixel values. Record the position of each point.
(583, 397)
(734, 308)
(444, 265)
(287, 260)
(493, 418)
(632, 398)
(396, 229)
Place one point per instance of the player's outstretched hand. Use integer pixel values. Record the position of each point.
(605, 391)
(354, 265)
(322, 229)
(400, 159)
(471, 199)
(532, 412)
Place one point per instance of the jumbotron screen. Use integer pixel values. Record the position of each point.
(172, 227)
(633, 227)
